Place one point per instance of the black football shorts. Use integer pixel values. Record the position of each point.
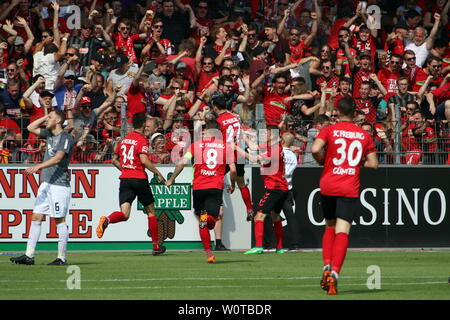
(130, 188)
(339, 207)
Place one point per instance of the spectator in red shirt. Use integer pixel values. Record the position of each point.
(394, 42)
(124, 40)
(426, 138)
(164, 45)
(389, 75)
(206, 69)
(433, 68)
(329, 77)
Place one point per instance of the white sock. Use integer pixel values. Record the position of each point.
(33, 238)
(336, 275)
(63, 234)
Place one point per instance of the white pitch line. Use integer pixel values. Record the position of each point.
(223, 287)
(221, 279)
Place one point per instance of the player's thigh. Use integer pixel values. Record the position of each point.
(240, 169)
(328, 204)
(282, 197)
(126, 191)
(347, 208)
(213, 202)
(59, 201)
(144, 192)
(270, 201)
(199, 199)
(42, 204)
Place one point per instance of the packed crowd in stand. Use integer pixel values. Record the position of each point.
(281, 62)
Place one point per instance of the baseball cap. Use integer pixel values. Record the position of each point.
(46, 93)
(86, 100)
(18, 41)
(70, 74)
(180, 65)
(161, 60)
(121, 59)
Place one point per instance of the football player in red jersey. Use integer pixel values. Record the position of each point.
(276, 187)
(230, 126)
(131, 158)
(210, 161)
(341, 148)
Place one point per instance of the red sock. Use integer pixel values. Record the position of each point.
(116, 216)
(339, 251)
(245, 193)
(153, 227)
(277, 225)
(327, 245)
(206, 238)
(259, 232)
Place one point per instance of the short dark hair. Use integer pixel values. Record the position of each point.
(60, 114)
(321, 119)
(346, 107)
(139, 120)
(280, 75)
(365, 123)
(224, 79)
(220, 102)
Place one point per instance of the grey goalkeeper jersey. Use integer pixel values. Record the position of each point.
(57, 174)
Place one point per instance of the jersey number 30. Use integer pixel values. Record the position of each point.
(349, 154)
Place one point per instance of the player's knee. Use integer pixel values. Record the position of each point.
(260, 215)
(37, 217)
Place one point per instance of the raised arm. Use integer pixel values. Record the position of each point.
(430, 39)
(56, 34)
(246, 95)
(30, 35)
(380, 86)
(282, 23)
(34, 127)
(198, 56)
(314, 28)
(6, 13)
(218, 61)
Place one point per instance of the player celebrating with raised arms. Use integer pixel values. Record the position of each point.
(131, 158)
(210, 161)
(271, 158)
(341, 148)
(54, 193)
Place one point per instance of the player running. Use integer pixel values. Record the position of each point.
(131, 158)
(54, 193)
(230, 126)
(276, 187)
(210, 158)
(341, 148)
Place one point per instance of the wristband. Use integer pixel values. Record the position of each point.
(64, 39)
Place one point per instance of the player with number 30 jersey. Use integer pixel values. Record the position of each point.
(342, 149)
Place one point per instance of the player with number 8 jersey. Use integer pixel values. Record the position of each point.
(341, 148)
(210, 159)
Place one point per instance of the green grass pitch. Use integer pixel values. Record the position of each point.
(185, 275)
